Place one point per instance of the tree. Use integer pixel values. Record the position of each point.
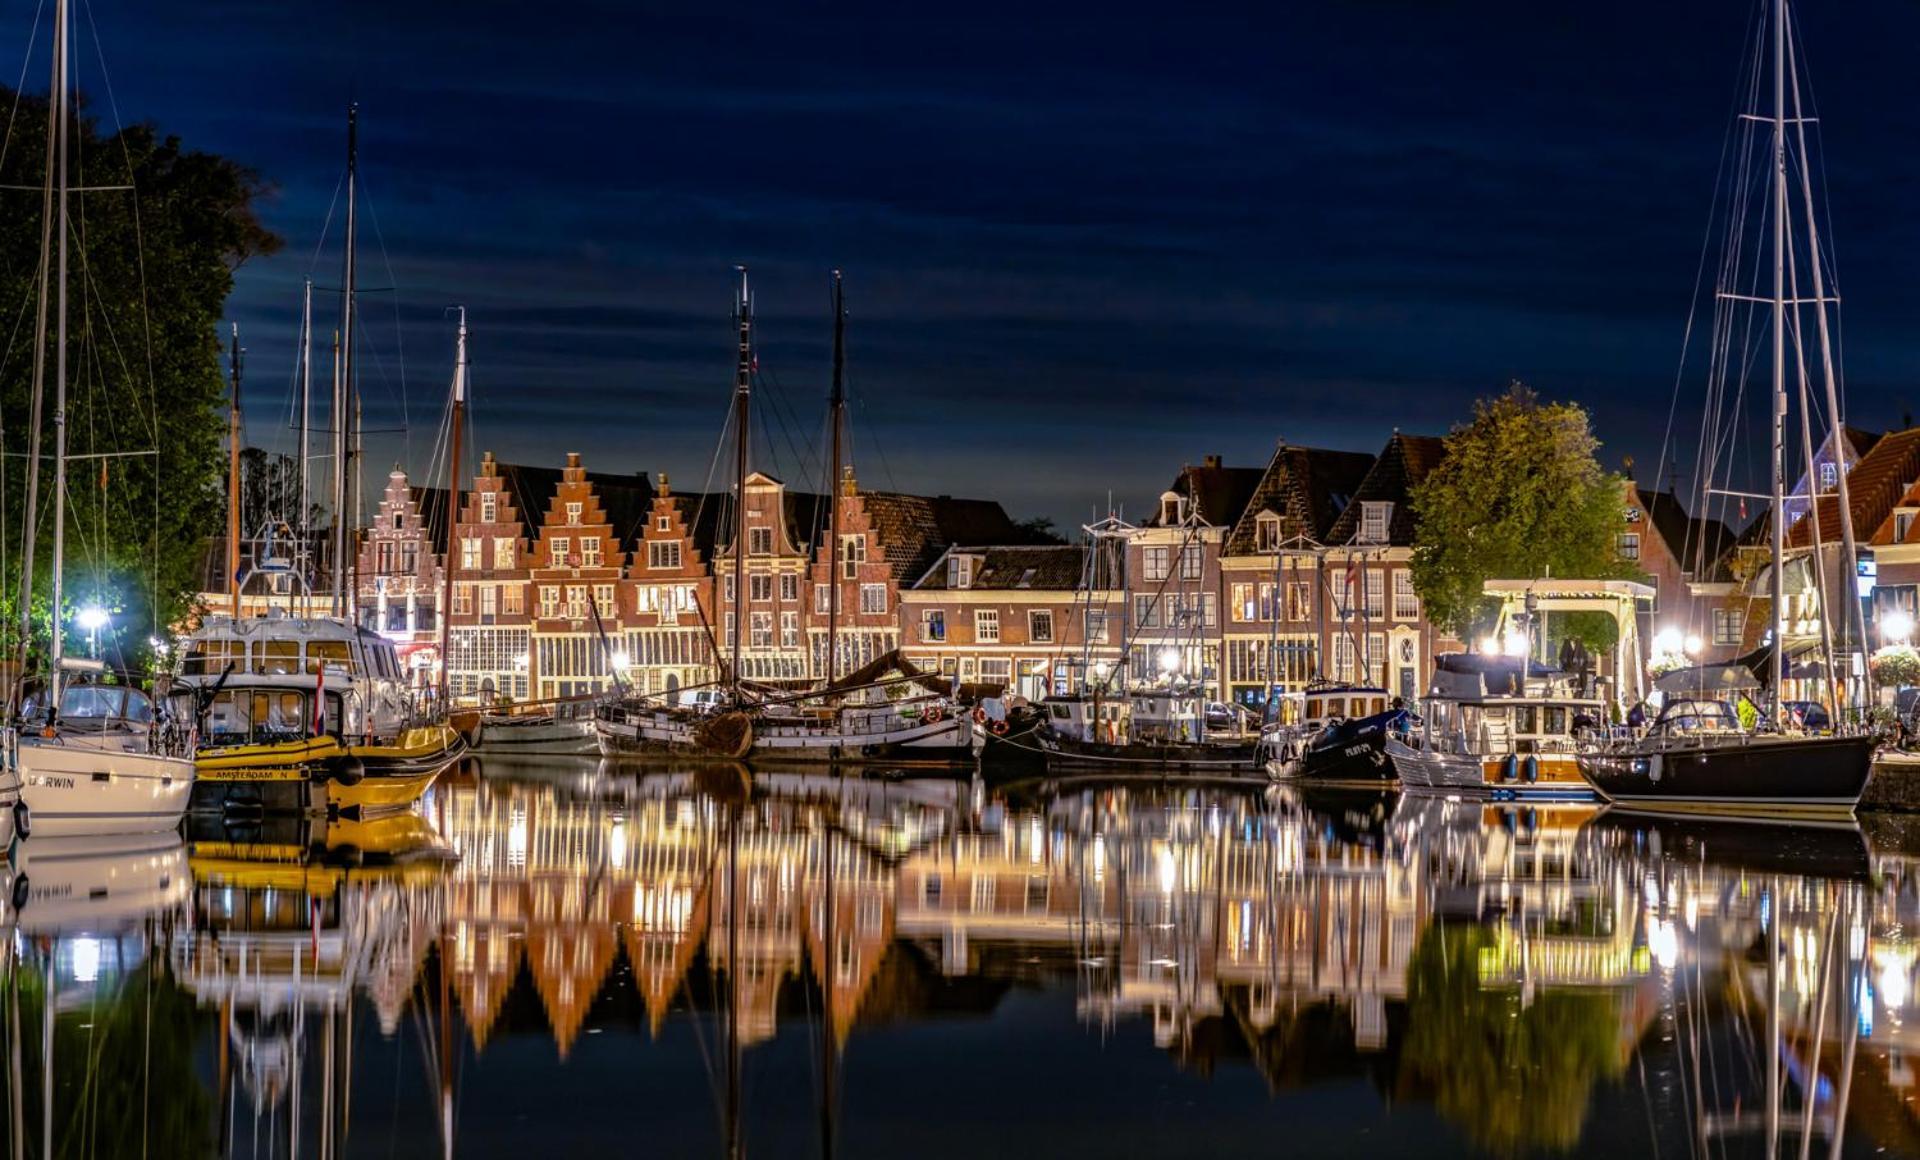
(149, 273)
(1519, 495)
(1515, 1075)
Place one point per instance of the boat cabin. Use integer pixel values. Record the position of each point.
(255, 680)
(1500, 706)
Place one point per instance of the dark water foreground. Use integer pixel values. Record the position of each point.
(552, 959)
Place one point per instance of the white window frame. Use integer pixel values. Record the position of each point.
(986, 625)
(1036, 619)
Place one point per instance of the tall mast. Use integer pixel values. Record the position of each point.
(1779, 593)
(1855, 625)
(836, 412)
(453, 499)
(31, 529)
(233, 473)
(299, 521)
(742, 396)
(343, 386)
(61, 181)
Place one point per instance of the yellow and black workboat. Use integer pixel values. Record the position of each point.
(304, 714)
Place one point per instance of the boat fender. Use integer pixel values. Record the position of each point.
(22, 821)
(1509, 768)
(20, 892)
(1532, 768)
(347, 769)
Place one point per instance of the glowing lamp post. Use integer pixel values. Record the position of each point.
(1896, 627)
(92, 618)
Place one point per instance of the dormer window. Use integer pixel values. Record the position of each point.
(1829, 476)
(1376, 516)
(1902, 523)
(1172, 508)
(1266, 532)
(959, 571)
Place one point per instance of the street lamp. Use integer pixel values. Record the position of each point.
(1693, 644)
(1169, 660)
(1668, 640)
(92, 618)
(1896, 627)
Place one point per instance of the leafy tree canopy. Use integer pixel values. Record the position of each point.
(150, 269)
(1520, 494)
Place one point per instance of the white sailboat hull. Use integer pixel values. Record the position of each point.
(947, 740)
(547, 736)
(73, 787)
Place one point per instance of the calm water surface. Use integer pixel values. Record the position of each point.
(559, 958)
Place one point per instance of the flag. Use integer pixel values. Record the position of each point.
(319, 697)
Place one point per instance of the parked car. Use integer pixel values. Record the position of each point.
(1222, 716)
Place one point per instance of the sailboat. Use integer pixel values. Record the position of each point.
(308, 713)
(1697, 755)
(849, 718)
(91, 758)
(1122, 722)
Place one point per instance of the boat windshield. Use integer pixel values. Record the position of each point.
(1697, 715)
(104, 703)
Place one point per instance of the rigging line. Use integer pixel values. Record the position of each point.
(1720, 175)
(20, 85)
(399, 336)
(879, 447)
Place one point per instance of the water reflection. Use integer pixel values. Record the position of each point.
(792, 964)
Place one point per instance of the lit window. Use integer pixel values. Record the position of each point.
(1376, 517)
(986, 625)
(489, 508)
(573, 512)
(1040, 625)
(561, 547)
(853, 553)
(503, 552)
(1266, 532)
(590, 552)
(933, 624)
(1155, 562)
(469, 554)
(1406, 602)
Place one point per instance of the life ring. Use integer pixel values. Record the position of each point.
(999, 728)
(932, 713)
(979, 715)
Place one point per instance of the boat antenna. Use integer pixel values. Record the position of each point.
(233, 472)
(61, 113)
(453, 500)
(836, 418)
(742, 414)
(56, 108)
(306, 408)
(1779, 464)
(343, 385)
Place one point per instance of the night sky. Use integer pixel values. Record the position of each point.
(1084, 245)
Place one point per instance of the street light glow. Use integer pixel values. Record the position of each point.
(1668, 640)
(1693, 643)
(1169, 660)
(93, 618)
(1896, 627)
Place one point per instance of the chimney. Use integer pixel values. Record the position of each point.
(848, 487)
(486, 464)
(1211, 461)
(665, 490)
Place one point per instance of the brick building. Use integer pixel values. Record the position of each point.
(1017, 616)
(491, 642)
(398, 579)
(669, 601)
(1276, 583)
(575, 572)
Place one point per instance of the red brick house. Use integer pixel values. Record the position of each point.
(491, 642)
(398, 577)
(668, 605)
(576, 568)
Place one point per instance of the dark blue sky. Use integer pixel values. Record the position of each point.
(1084, 244)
